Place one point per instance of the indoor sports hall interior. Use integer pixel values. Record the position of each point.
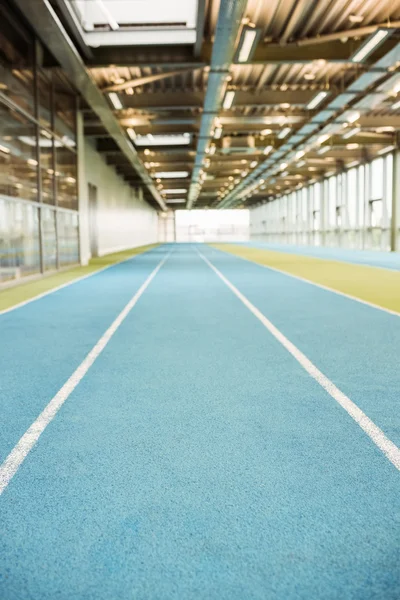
(199, 299)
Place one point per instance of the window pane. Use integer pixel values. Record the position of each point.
(49, 238)
(65, 112)
(332, 202)
(46, 168)
(18, 164)
(67, 195)
(376, 174)
(16, 65)
(19, 240)
(44, 90)
(68, 243)
(352, 197)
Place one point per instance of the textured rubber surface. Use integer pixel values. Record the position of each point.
(372, 258)
(197, 459)
(375, 285)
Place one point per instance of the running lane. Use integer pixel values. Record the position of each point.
(44, 341)
(197, 459)
(355, 345)
(372, 258)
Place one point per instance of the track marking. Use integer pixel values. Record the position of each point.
(20, 451)
(390, 450)
(319, 285)
(64, 285)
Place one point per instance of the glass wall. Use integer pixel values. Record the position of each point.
(351, 209)
(38, 159)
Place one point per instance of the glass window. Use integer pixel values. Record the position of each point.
(65, 112)
(389, 183)
(352, 197)
(66, 165)
(361, 194)
(376, 213)
(46, 167)
(68, 242)
(45, 100)
(16, 63)
(332, 202)
(19, 239)
(49, 238)
(376, 179)
(18, 164)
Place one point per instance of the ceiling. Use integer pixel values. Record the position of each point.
(231, 102)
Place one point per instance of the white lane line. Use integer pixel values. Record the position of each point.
(18, 454)
(64, 285)
(319, 285)
(391, 451)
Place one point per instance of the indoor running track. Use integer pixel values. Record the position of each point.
(197, 458)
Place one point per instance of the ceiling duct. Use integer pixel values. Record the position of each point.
(228, 25)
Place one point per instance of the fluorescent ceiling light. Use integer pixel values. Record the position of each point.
(266, 131)
(352, 146)
(284, 132)
(228, 100)
(4, 149)
(353, 117)
(351, 132)
(171, 174)
(267, 149)
(386, 150)
(183, 139)
(370, 45)
(283, 166)
(323, 138)
(116, 102)
(176, 191)
(247, 44)
(32, 161)
(217, 133)
(175, 200)
(324, 149)
(396, 105)
(300, 154)
(131, 133)
(318, 98)
(111, 21)
(253, 164)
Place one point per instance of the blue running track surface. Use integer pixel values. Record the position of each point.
(372, 258)
(197, 459)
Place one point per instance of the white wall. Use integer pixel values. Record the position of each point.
(124, 219)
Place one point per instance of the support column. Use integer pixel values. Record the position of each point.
(395, 201)
(322, 207)
(38, 54)
(84, 244)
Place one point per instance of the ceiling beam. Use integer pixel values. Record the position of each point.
(140, 81)
(144, 56)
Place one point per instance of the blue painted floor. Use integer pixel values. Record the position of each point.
(372, 258)
(197, 459)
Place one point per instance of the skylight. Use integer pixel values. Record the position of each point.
(137, 22)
